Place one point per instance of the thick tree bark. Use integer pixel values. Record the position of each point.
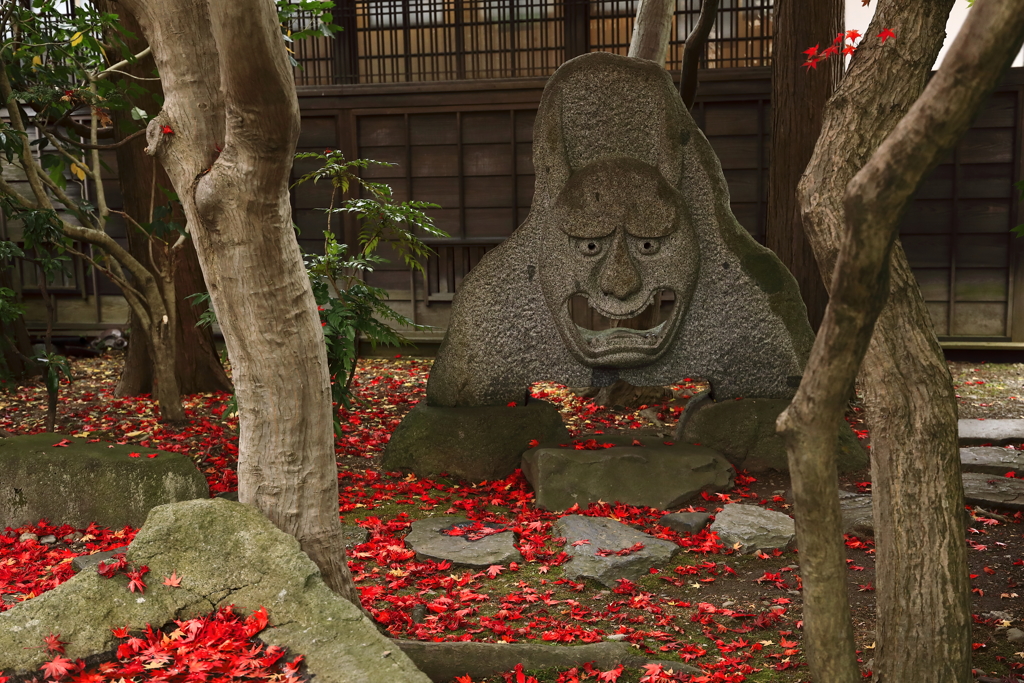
(923, 625)
(197, 365)
(798, 101)
(229, 86)
(651, 30)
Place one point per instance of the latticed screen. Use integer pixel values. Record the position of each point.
(389, 41)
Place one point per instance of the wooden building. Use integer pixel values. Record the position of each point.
(447, 90)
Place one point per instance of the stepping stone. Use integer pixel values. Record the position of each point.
(993, 491)
(991, 432)
(858, 519)
(589, 559)
(83, 562)
(686, 522)
(749, 528)
(652, 474)
(428, 539)
(992, 460)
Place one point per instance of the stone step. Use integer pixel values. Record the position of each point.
(984, 432)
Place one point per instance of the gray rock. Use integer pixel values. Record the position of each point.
(858, 514)
(28, 536)
(89, 482)
(993, 490)
(49, 539)
(686, 522)
(476, 444)
(630, 208)
(654, 474)
(225, 553)
(749, 528)
(1015, 635)
(427, 539)
(992, 460)
(83, 562)
(744, 432)
(354, 535)
(991, 432)
(445, 661)
(607, 534)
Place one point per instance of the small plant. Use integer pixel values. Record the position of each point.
(348, 306)
(54, 367)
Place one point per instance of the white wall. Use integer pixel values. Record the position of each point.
(858, 17)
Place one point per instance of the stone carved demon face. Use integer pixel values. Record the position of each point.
(620, 240)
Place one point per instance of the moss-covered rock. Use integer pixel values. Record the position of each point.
(80, 482)
(744, 432)
(225, 553)
(476, 444)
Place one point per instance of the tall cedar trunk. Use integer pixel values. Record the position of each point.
(651, 30)
(197, 366)
(798, 101)
(229, 86)
(924, 622)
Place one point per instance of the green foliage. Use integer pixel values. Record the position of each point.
(207, 318)
(10, 309)
(1019, 230)
(302, 19)
(54, 367)
(348, 306)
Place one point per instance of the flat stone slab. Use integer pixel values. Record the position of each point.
(653, 474)
(991, 432)
(993, 491)
(603, 549)
(992, 460)
(72, 481)
(428, 539)
(224, 553)
(749, 528)
(686, 522)
(858, 514)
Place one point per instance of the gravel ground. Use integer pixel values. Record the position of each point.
(989, 390)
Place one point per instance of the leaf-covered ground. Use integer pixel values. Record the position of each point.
(737, 618)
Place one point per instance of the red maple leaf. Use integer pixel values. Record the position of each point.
(54, 643)
(811, 51)
(256, 623)
(494, 570)
(852, 34)
(166, 130)
(174, 581)
(63, 443)
(886, 34)
(612, 675)
(849, 50)
(811, 64)
(57, 668)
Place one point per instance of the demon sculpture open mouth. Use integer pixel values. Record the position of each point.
(622, 250)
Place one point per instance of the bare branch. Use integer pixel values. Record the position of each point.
(695, 43)
(86, 145)
(115, 68)
(67, 155)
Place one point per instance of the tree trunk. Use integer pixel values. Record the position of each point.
(15, 345)
(923, 592)
(196, 364)
(651, 30)
(798, 101)
(229, 86)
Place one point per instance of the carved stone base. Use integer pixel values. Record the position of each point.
(475, 444)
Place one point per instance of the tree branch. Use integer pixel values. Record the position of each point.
(86, 145)
(115, 68)
(874, 202)
(692, 50)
